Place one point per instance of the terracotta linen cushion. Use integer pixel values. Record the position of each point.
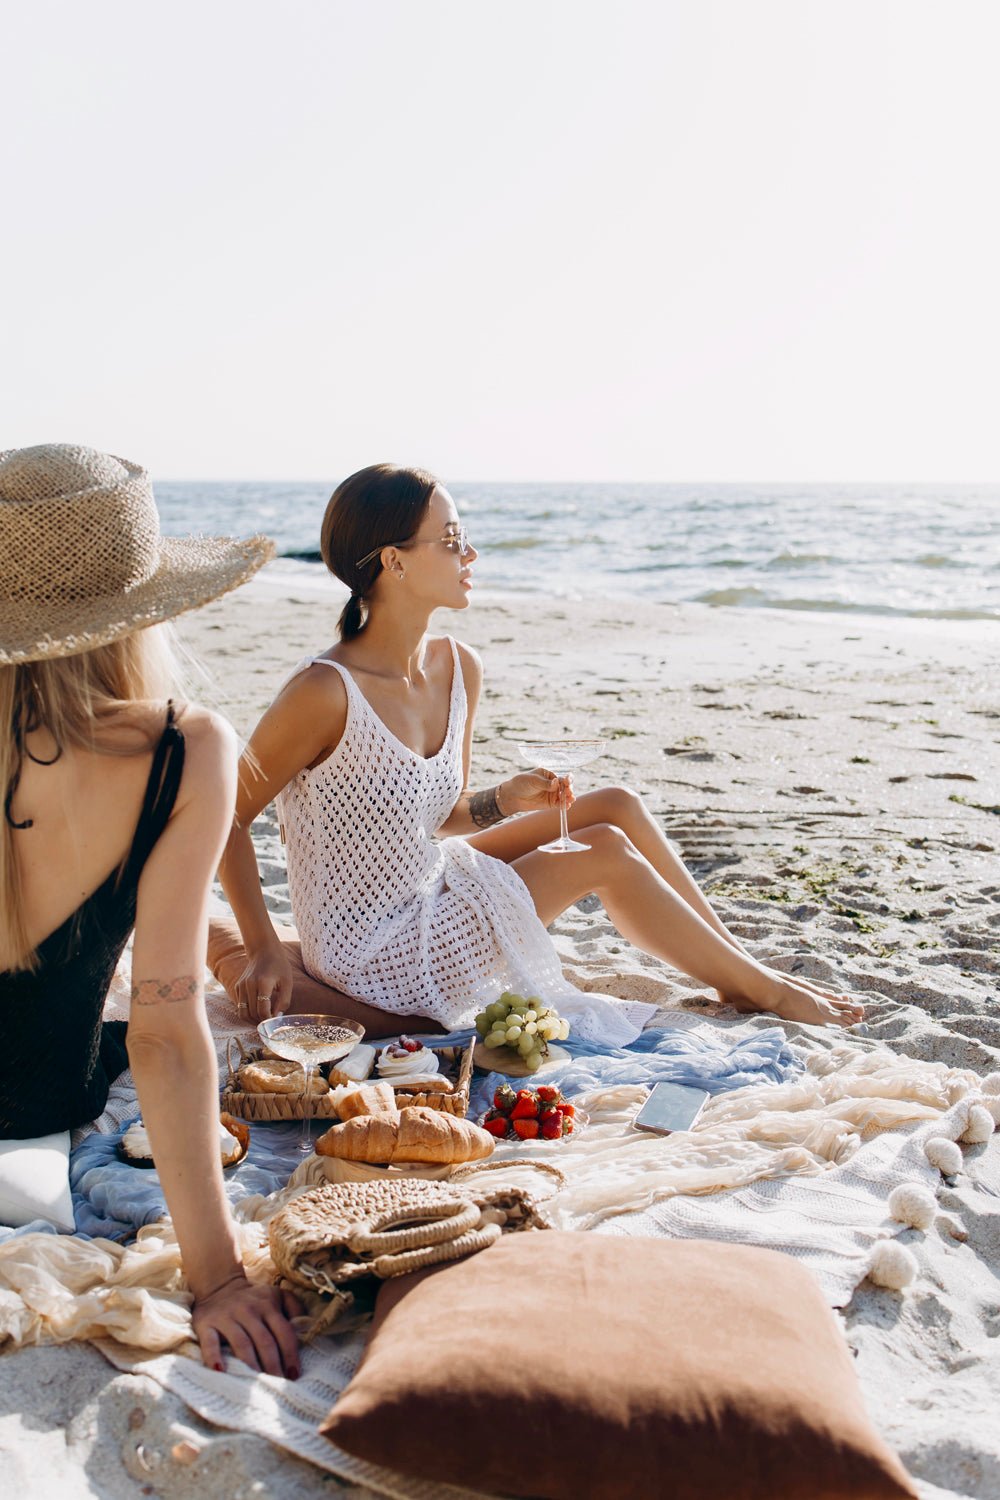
(591, 1367)
(227, 957)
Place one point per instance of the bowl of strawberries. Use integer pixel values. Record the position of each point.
(538, 1114)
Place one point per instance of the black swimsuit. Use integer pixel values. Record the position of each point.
(57, 1059)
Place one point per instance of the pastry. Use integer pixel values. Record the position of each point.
(422, 1083)
(417, 1134)
(355, 1067)
(135, 1145)
(278, 1075)
(405, 1059)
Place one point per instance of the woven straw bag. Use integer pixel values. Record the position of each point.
(344, 1237)
(339, 1232)
(265, 1108)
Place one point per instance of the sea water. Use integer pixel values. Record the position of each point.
(896, 549)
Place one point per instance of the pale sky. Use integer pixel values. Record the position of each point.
(537, 239)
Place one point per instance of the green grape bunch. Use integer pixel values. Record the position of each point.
(524, 1025)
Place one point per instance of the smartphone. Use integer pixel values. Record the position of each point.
(671, 1106)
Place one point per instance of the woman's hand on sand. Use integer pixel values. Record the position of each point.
(265, 987)
(253, 1321)
(536, 791)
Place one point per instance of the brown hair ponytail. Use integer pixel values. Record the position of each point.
(371, 509)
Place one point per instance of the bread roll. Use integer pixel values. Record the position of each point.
(279, 1075)
(417, 1134)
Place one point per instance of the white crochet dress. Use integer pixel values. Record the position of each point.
(396, 917)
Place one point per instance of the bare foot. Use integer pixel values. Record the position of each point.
(794, 1001)
(816, 986)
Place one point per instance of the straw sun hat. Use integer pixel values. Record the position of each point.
(82, 561)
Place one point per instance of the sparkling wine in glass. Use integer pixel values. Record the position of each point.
(309, 1040)
(561, 756)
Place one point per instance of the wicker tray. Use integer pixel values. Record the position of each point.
(456, 1066)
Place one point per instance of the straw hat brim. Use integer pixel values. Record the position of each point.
(191, 572)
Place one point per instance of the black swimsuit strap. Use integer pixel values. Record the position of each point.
(161, 793)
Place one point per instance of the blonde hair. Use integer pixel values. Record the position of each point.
(74, 698)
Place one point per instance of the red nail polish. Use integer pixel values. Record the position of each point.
(220, 1367)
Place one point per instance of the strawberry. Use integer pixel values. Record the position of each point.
(548, 1093)
(525, 1128)
(567, 1124)
(526, 1106)
(504, 1099)
(409, 1045)
(565, 1108)
(550, 1124)
(497, 1126)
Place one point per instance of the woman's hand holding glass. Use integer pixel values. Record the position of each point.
(536, 791)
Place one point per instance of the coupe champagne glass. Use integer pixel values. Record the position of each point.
(561, 756)
(309, 1040)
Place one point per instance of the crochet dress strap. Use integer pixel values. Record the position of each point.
(58, 1060)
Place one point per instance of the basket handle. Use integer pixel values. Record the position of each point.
(386, 1266)
(413, 1228)
(469, 1169)
(244, 1056)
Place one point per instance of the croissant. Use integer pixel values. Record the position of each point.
(418, 1134)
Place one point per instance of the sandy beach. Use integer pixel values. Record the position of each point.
(832, 781)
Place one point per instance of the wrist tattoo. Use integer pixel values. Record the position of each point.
(164, 991)
(484, 808)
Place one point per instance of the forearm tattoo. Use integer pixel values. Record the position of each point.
(484, 808)
(164, 991)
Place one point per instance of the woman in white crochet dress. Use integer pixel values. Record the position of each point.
(367, 746)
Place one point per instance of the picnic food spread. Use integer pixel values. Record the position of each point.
(530, 1114)
(526, 1026)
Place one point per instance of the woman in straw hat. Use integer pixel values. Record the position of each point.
(116, 808)
(368, 745)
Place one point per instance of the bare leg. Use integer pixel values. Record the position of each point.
(227, 959)
(650, 913)
(625, 810)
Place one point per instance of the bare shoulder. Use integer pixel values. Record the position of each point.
(317, 687)
(211, 752)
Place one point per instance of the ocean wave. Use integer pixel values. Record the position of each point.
(803, 560)
(754, 598)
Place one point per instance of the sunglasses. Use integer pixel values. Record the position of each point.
(456, 541)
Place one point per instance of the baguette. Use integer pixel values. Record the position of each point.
(417, 1134)
(351, 1100)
